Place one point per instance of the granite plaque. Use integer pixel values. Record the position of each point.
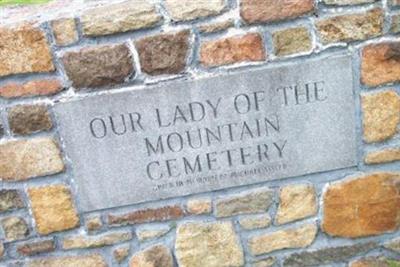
(186, 137)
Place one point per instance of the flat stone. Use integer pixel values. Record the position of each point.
(156, 256)
(121, 17)
(90, 260)
(299, 237)
(145, 234)
(375, 262)
(32, 88)
(271, 10)
(28, 119)
(362, 206)
(98, 66)
(198, 206)
(231, 50)
(53, 209)
(15, 228)
(208, 244)
(325, 256)
(380, 63)
(65, 32)
(33, 248)
(349, 28)
(24, 159)
(267, 262)
(216, 26)
(24, 49)
(292, 41)
(255, 221)
(296, 202)
(121, 253)
(347, 2)
(10, 199)
(381, 115)
(252, 201)
(393, 245)
(164, 53)
(82, 241)
(181, 10)
(94, 223)
(147, 215)
(383, 156)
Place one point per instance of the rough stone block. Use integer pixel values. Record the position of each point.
(64, 31)
(81, 241)
(155, 256)
(32, 88)
(15, 228)
(10, 199)
(33, 248)
(28, 119)
(292, 41)
(188, 9)
(92, 260)
(383, 156)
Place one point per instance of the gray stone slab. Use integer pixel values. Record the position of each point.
(186, 137)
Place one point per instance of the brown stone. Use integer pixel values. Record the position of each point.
(92, 260)
(231, 50)
(98, 66)
(375, 262)
(32, 88)
(82, 241)
(164, 53)
(156, 256)
(64, 31)
(53, 209)
(28, 119)
(216, 26)
(10, 199)
(147, 215)
(256, 11)
(380, 63)
(381, 115)
(188, 9)
(36, 247)
(199, 206)
(383, 156)
(24, 159)
(347, 2)
(24, 49)
(121, 253)
(348, 28)
(292, 41)
(94, 223)
(15, 228)
(362, 206)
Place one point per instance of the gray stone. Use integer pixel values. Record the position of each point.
(15, 228)
(10, 199)
(125, 141)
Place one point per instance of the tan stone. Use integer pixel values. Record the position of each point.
(199, 206)
(24, 159)
(299, 237)
(381, 115)
(121, 253)
(216, 26)
(14, 228)
(147, 234)
(82, 241)
(362, 206)
(375, 262)
(189, 9)
(93, 224)
(93, 260)
(120, 17)
(347, 2)
(208, 244)
(64, 31)
(53, 209)
(395, 26)
(156, 256)
(296, 202)
(32, 88)
(291, 41)
(24, 49)
(255, 221)
(267, 262)
(383, 156)
(231, 50)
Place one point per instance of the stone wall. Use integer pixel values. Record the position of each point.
(348, 217)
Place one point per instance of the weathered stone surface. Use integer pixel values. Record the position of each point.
(156, 256)
(296, 202)
(64, 31)
(121, 253)
(395, 26)
(252, 201)
(92, 260)
(199, 206)
(24, 159)
(299, 237)
(32, 88)
(81, 241)
(164, 53)
(94, 223)
(120, 17)
(362, 206)
(375, 262)
(255, 221)
(24, 50)
(188, 9)
(381, 115)
(53, 209)
(32, 248)
(208, 244)
(347, 2)
(216, 26)
(348, 28)
(98, 66)
(145, 234)
(14, 228)
(383, 156)
(267, 262)
(28, 119)
(147, 215)
(231, 50)
(10, 199)
(292, 41)
(256, 11)
(325, 256)
(393, 245)
(380, 63)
